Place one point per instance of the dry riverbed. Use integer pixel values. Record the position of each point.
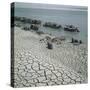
(36, 65)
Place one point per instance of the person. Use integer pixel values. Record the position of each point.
(49, 45)
(80, 41)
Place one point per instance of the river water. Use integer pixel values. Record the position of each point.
(62, 17)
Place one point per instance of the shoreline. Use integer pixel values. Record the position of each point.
(67, 30)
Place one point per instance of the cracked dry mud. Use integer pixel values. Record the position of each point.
(35, 65)
(29, 72)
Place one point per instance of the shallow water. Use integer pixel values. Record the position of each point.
(77, 18)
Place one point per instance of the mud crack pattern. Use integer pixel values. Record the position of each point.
(30, 72)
